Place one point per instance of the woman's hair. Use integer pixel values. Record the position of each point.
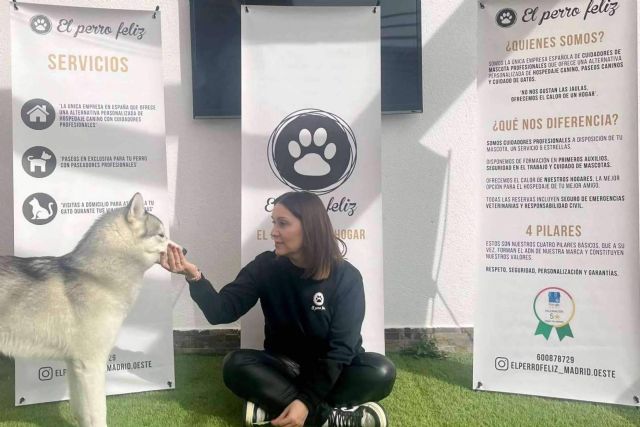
(319, 243)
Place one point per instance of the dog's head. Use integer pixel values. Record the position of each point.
(147, 235)
(125, 236)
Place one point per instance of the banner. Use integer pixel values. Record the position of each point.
(311, 121)
(558, 301)
(88, 132)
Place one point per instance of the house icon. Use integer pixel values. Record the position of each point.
(38, 114)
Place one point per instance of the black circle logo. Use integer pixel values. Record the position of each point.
(312, 150)
(506, 17)
(39, 208)
(38, 114)
(40, 24)
(39, 162)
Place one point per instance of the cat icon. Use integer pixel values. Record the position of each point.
(38, 211)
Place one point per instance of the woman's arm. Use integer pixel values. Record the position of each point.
(226, 306)
(233, 300)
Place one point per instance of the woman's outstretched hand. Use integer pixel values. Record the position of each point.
(293, 415)
(175, 261)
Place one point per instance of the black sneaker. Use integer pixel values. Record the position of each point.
(254, 415)
(368, 414)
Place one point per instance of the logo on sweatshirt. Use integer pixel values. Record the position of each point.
(318, 301)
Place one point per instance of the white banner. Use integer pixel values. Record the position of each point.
(311, 68)
(558, 302)
(88, 132)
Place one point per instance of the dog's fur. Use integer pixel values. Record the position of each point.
(71, 307)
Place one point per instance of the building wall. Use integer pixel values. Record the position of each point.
(430, 172)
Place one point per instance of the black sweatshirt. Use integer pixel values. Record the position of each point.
(316, 323)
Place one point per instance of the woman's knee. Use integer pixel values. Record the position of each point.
(383, 367)
(251, 375)
(370, 377)
(235, 365)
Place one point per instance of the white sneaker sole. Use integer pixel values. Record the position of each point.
(249, 409)
(254, 412)
(379, 411)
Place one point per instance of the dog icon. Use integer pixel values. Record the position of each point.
(40, 163)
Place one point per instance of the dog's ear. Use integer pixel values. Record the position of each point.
(136, 208)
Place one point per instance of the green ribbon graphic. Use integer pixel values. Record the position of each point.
(545, 330)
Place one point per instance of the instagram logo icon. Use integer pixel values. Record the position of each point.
(45, 373)
(502, 363)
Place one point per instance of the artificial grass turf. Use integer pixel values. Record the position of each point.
(428, 392)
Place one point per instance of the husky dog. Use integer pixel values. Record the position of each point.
(71, 307)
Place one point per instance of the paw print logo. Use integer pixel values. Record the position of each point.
(40, 24)
(312, 150)
(506, 17)
(311, 163)
(318, 299)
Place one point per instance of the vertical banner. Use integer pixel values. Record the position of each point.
(559, 303)
(311, 121)
(88, 132)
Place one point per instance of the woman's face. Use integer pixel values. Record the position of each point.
(286, 233)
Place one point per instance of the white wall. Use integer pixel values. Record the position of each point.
(429, 171)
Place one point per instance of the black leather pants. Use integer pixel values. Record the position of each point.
(270, 381)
